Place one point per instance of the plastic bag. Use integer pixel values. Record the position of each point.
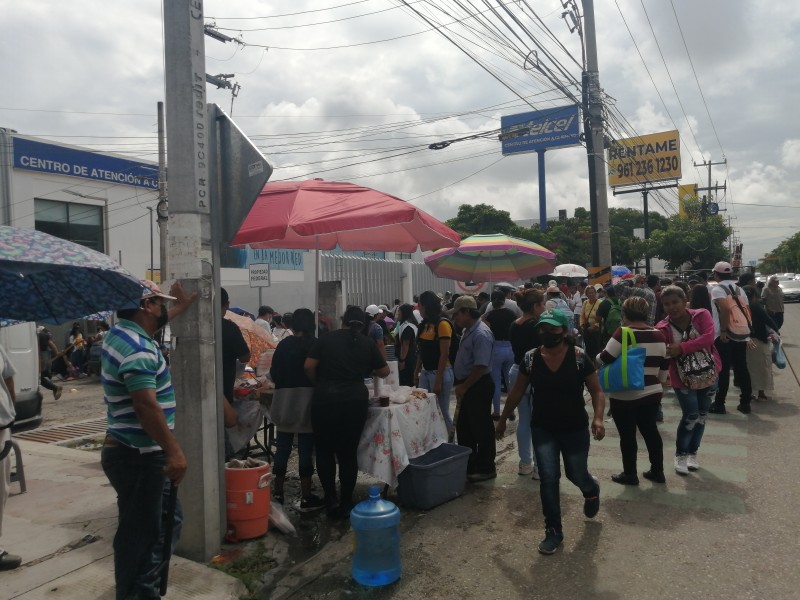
(278, 518)
(778, 356)
(251, 417)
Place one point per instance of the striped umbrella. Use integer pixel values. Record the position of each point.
(487, 258)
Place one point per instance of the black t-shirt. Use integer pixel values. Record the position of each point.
(288, 361)
(499, 321)
(604, 309)
(407, 334)
(523, 337)
(557, 402)
(345, 355)
(233, 346)
(44, 340)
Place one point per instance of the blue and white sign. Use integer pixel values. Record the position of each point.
(540, 130)
(59, 160)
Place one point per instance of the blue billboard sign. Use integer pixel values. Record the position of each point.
(278, 259)
(60, 160)
(540, 130)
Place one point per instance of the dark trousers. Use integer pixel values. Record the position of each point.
(475, 427)
(45, 382)
(338, 414)
(142, 492)
(778, 318)
(733, 356)
(628, 419)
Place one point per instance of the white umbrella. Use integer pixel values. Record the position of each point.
(570, 270)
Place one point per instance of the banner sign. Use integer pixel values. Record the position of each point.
(645, 159)
(259, 275)
(540, 130)
(60, 160)
(686, 192)
(601, 275)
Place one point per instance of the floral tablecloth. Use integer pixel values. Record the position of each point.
(395, 434)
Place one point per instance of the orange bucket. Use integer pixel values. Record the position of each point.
(247, 500)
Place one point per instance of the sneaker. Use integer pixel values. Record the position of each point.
(717, 408)
(743, 408)
(660, 416)
(691, 462)
(525, 468)
(625, 479)
(591, 504)
(57, 392)
(656, 476)
(475, 477)
(535, 474)
(311, 503)
(552, 540)
(680, 465)
(8, 561)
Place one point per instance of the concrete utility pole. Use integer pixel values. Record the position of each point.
(708, 200)
(162, 208)
(192, 256)
(593, 130)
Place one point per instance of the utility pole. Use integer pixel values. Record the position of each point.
(192, 259)
(708, 200)
(162, 208)
(150, 212)
(595, 149)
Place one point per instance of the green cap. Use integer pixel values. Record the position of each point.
(554, 317)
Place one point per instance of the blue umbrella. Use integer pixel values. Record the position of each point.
(51, 280)
(620, 270)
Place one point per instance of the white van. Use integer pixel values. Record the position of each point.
(22, 346)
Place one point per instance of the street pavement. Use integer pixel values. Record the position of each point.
(727, 531)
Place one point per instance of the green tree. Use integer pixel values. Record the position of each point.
(690, 241)
(482, 219)
(784, 258)
(625, 248)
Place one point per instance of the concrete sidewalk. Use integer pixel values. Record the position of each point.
(63, 528)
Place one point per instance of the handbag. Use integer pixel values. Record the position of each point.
(696, 370)
(778, 356)
(626, 373)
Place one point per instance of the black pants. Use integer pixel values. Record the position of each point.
(338, 414)
(734, 356)
(475, 427)
(628, 418)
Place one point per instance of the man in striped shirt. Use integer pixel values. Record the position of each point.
(140, 454)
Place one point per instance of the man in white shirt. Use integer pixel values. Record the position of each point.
(264, 317)
(733, 353)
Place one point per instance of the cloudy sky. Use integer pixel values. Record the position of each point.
(356, 91)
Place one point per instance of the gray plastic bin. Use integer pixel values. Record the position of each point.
(435, 477)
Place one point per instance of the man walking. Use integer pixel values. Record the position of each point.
(474, 388)
(140, 455)
(732, 353)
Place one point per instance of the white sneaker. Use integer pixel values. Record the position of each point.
(535, 474)
(525, 468)
(680, 465)
(691, 462)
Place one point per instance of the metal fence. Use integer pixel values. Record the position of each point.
(377, 281)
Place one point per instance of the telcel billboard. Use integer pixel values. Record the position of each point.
(540, 130)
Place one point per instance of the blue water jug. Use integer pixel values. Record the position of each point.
(376, 523)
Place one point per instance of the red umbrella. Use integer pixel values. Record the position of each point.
(317, 214)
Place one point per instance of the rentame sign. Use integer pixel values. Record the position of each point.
(645, 159)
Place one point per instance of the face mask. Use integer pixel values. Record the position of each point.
(551, 340)
(163, 318)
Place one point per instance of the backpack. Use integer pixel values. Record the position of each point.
(739, 321)
(614, 317)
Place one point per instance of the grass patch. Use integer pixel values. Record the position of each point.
(249, 567)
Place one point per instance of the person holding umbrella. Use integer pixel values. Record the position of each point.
(141, 456)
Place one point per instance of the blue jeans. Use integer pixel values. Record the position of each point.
(426, 381)
(502, 361)
(574, 447)
(305, 450)
(524, 444)
(142, 492)
(694, 404)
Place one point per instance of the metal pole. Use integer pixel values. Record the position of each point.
(542, 192)
(162, 210)
(593, 129)
(645, 194)
(193, 256)
(150, 210)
